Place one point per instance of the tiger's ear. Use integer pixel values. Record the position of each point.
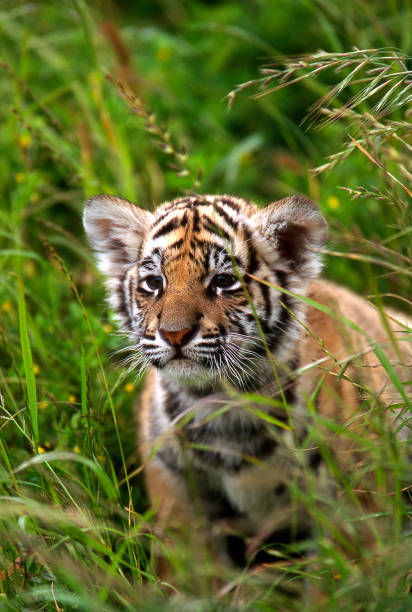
(116, 229)
(297, 230)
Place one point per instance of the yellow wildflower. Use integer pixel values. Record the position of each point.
(72, 399)
(43, 405)
(333, 202)
(19, 177)
(36, 369)
(77, 450)
(129, 388)
(6, 306)
(30, 268)
(41, 450)
(107, 328)
(25, 141)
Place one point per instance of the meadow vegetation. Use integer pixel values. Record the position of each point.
(148, 101)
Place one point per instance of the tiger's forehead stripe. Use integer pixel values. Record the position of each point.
(197, 219)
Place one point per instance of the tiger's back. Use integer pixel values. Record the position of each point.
(210, 290)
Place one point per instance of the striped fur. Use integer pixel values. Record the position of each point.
(192, 270)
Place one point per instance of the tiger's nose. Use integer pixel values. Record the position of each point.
(178, 337)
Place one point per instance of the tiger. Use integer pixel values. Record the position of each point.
(222, 303)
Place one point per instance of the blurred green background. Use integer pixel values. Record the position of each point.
(66, 134)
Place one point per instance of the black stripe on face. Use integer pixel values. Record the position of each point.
(147, 263)
(266, 299)
(207, 344)
(241, 302)
(222, 329)
(280, 327)
(236, 323)
(229, 220)
(192, 253)
(160, 218)
(276, 333)
(195, 220)
(197, 203)
(282, 276)
(146, 346)
(156, 256)
(284, 315)
(253, 263)
(234, 205)
(173, 206)
(265, 328)
(197, 242)
(168, 227)
(211, 227)
(205, 263)
(176, 245)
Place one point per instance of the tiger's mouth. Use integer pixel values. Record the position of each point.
(189, 372)
(181, 358)
(178, 354)
(190, 354)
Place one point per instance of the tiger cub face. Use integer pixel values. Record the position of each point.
(196, 284)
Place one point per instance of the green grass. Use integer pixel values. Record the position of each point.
(76, 531)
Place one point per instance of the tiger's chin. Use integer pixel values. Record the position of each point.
(190, 374)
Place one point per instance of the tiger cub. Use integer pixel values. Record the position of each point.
(209, 289)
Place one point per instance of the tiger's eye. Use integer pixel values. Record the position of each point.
(223, 281)
(154, 282)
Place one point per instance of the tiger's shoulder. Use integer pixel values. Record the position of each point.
(352, 342)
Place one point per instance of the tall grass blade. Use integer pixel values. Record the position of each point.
(28, 362)
(101, 475)
(83, 375)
